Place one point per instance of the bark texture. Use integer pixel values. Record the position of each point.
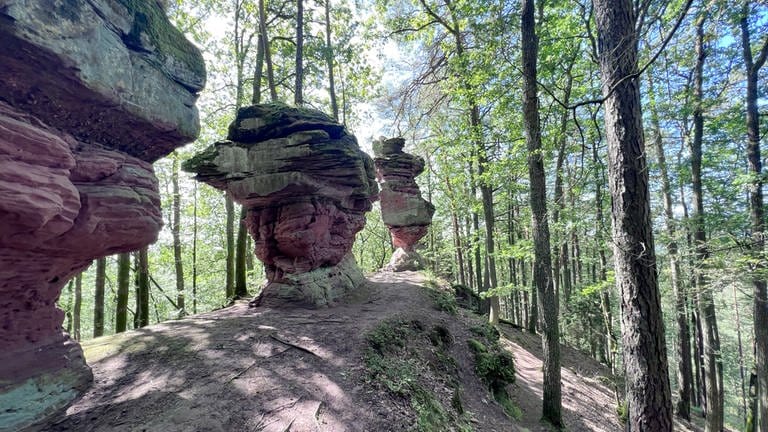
(547, 298)
(645, 355)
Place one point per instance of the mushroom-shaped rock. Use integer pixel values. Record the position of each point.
(306, 186)
(404, 211)
(91, 92)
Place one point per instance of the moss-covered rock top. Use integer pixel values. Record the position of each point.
(384, 147)
(152, 32)
(274, 120)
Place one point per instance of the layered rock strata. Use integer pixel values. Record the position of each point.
(91, 92)
(403, 210)
(306, 186)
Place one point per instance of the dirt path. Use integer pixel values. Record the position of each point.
(241, 369)
(588, 404)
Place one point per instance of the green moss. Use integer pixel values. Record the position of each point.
(444, 301)
(149, 21)
(456, 400)
(509, 407)
(120, 343)
(201, 162)
(623, 412)
(390, 335)
(496, 368)
(396, 359)
(440, 336)
(487, 331)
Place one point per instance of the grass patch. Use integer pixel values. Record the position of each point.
(411, 361)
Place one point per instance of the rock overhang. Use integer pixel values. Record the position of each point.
(113, 72)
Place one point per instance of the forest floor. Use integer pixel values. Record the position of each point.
(261, 369)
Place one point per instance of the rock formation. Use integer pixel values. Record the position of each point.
(91, 92)
(307, 186)
(404, 211)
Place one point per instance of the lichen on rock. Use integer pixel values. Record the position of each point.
(306, 186)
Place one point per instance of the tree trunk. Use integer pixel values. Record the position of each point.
(258, 70)
(175, 230)
(742, 374)
(229, 286)
(123, 289)
(298, 95)
(645, 354)
(683, 346)
(457, 245)
(68, 312)
(605, 294)
(142, 288)
(760, 290)
(561, 252)
(267, 51)
(241, 286)
(711, 338)
(329, 62)
(194, 252)
(77, 308)
(547, 298)
(98, 300)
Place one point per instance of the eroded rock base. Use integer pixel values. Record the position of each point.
(403, 260)
(323, 286)
(26, 399)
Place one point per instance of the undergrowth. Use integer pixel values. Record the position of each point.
(444, 300)
(412, 361)
(494, 366)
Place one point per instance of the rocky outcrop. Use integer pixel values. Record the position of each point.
(91, 92)
(404, 211)
(307, 186)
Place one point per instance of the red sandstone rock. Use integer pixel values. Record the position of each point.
(306, 185)
(90, 93)
(404, 211)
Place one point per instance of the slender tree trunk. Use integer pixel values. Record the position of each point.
(561, 252)
(98, 300)
(194, 251)
(76, 312)
(701, 381)
(457, 245)
(267, 51)
(175, 231)
(230, 236)
(683, 346)
(298, 95)
(760, 290)
(329, 62)
(123, 289)
(712, 361)
(742, 374)
(645, 355)
(241, 286)
(605, 293)
(699, 387)
(70, 289)
(142, 288)
(547, 298)
(258, 70)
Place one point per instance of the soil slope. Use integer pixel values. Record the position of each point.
(261, 369)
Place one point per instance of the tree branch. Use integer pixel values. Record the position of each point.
(642, 70)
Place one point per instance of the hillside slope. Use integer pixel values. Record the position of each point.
(260, 369)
